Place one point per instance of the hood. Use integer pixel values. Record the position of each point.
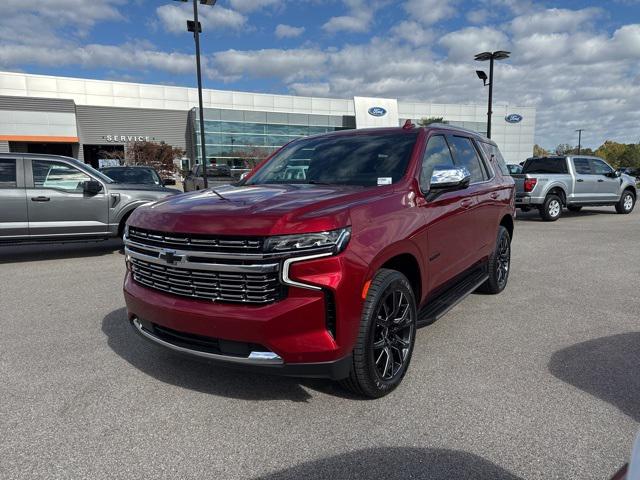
(258, 210)
(144, 187)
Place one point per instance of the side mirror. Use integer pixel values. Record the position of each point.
(92, 187)
(449, 179)
(168, 181)
(244, 175)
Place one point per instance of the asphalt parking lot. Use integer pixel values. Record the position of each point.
(539, 382)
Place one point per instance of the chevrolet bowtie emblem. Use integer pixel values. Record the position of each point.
(170, 256)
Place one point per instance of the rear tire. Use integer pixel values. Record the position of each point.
(499, 264)
(551, 209)
(626, 203)
(574, 208)
(387, 335)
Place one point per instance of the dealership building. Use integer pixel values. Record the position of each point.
(91, 119)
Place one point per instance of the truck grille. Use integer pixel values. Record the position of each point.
(256, 288)
(203, 243)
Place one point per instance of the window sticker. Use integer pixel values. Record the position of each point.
(385, 180)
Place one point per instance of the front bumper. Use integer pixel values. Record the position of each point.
(256, 361)
(310, 332)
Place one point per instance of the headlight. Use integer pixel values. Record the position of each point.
(126, 231)
(335, 239)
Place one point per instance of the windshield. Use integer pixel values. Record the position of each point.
(97, 173)
(365, 160)
(143, 176)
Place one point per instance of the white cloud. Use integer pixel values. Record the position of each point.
(413, 33)
(553, 20)
(248, 6)
(361, 14)
(288, 31)
(464, 44)
(174, 17)
(430, 12)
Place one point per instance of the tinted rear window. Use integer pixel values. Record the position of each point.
(546, 165)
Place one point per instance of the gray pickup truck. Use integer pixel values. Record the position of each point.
(54, 198)
(551, 183)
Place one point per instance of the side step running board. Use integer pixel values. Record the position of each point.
(448, 299)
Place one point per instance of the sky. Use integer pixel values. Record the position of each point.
(577, 61)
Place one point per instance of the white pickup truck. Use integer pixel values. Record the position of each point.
(551, 183)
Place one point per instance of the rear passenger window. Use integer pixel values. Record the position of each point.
(8, 173)
(492, 150)
(437, 155)
(465, 155)
(582, 166)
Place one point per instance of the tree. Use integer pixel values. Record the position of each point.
(251, 156)
(563, 149)
(160, 156)
(538, 151)
(423, 122)
(620, 155)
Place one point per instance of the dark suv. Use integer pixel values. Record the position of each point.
(325, 260)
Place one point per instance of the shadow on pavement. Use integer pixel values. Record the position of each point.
(395, 463)
(54, 251)
(606, 368)
(193, 374)
(534, 216)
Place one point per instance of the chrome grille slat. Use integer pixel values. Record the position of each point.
(255, 288)
(218, 244)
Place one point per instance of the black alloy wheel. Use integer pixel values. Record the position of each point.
(384, 346)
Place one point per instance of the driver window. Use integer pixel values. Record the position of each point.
(438, 155)
(599, 167)
(58, 175)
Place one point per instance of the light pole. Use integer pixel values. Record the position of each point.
(580, 130)
(483, 57)
(195, 27)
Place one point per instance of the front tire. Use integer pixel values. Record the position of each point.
(499, 264)
(626, 203)
(387, 335)
(551, 209)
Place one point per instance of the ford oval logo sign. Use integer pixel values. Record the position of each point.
(377, 112)
(513, 118)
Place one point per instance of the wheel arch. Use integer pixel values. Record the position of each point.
(507, 222)
(406, 263)
(559, 191)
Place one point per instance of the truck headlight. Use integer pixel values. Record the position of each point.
(334, 240)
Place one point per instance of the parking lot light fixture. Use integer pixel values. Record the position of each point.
(491, 57)
(195, 27)
(580, 130)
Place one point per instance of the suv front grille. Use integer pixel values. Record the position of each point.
(208, 285)
(202, 243)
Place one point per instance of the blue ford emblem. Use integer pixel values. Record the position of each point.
(513, 118)
(377, 112)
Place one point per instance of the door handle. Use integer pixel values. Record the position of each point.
(579, 180)
(466, 203)
(494, 195)
(40, 199)
(600, 181)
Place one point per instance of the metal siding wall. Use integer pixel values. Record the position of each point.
(95, 123)
(4, 146)
(37, 104)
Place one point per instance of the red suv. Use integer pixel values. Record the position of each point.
(327, 257)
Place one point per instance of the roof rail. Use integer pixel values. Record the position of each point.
(455, 127)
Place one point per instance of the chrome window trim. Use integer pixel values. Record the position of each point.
(254, 358)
